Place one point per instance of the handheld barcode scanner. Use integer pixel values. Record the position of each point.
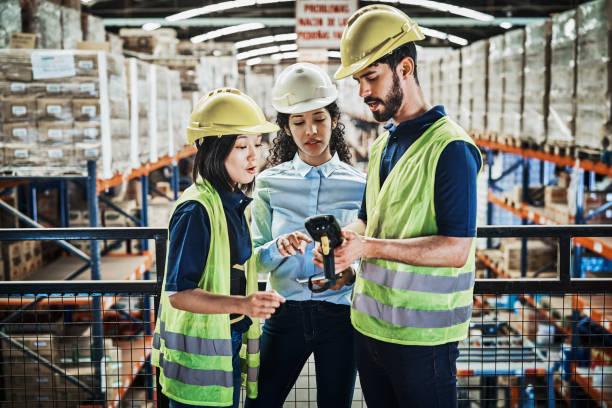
(325, 229)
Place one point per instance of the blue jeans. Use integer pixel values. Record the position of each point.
(237, 331)
(290, 336)
(394, 375)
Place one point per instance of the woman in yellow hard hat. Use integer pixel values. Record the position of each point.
(311, 175)
(210, 305)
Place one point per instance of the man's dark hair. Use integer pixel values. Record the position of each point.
(398, 54)
(209, 162)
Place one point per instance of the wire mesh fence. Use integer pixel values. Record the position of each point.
(531, 343)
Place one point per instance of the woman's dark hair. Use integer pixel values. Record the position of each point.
(209, 162)
(284, 148)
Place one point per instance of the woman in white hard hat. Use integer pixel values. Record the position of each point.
(209, 293)
(311, 175)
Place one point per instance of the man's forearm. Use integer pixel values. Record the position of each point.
(433, 250)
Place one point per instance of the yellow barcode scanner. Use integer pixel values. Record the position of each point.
(325, 229)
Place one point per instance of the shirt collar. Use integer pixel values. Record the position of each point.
(420, 121)
(326, 169)
(233, 199)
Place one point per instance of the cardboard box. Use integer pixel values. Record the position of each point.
(555, 195)
(85, 109)
(18, 108)
(86, 64)
(55, 108)
(22, 40)
(86, 131)
(20, 154)
(55, 132)
(87, 151)
(539, 254)
(20, 132)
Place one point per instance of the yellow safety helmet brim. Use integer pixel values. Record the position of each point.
(364, 25)
(195, 133)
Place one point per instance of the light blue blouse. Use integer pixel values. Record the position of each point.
(284, 197)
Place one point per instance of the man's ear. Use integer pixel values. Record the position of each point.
(406, 67)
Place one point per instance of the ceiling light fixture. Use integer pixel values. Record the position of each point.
(226, 31)
(506, 25)
(265, 51)
(445, 7)
(151, 26)
(333, 54)
(265, 40)
(285, 55)
(213, 8)
(253, 61)
(444, 36)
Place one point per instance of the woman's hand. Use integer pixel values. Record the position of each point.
(289, 244)
(261, 304)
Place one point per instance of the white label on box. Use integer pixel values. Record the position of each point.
(42, 379)
(88, 88)
(91, 133)
(53, 88)
(20, 132)
(56, 153)
(39, 344)
(52, 64)
(86, 64)
(18, 87)
(597, 247)
(91, 153)
(54, 109)
(89, 110)
(19, 110)
(54, 133)
(21, 153)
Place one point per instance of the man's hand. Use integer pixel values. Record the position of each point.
(288, 244)
(352, 248)
(261, 304)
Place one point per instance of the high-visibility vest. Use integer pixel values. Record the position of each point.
(194, 351)
(400, 303)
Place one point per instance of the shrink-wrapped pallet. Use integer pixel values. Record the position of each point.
(594, 71)
(161, 97)
(514, 80)
(561, 111)
(496, 84)
(10, 20)
(71, 28)
(537, 81)
(46, 23)
(139, 91)
(466, 98)
(179, 113)
(451, 82)
(424, 77)
(480, 84)
(60, 109)
(437, 88)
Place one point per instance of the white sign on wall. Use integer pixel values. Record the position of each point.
(320, 23)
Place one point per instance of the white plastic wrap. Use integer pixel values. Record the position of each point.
(537, 81)
(513, 66)
(480, 83)
(451, 81)
(594, 70)
(561, 112)
(47, 24)
(71, 28)
(496, 84)
(10, 20)
(466, 97)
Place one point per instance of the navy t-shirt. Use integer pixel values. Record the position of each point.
(455, 186)
(189, 244)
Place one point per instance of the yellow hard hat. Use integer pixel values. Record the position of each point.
(371, 33)
(227, 111)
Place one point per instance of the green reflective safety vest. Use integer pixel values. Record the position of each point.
(396, 302)
(194, 351)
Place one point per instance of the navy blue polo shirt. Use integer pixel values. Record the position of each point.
(455, 186)
(189, 244)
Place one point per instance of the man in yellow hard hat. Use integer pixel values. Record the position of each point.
(412, 298)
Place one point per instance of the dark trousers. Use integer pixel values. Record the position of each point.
(290, 336)
(394, 375)
(238, 329)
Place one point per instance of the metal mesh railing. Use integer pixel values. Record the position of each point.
(532, 343)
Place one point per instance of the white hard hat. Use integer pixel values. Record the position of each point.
(303, 87)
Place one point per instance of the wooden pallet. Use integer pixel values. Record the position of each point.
(588, 153)
(476, 134)
(491, 136)
(509, 140)
(559, 149)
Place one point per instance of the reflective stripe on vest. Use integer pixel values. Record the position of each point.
(193, 376)
(406, 280)
(422, 319)
(252, 374)
(253, 346)
(190, 344)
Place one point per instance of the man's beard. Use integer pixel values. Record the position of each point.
(391, 103)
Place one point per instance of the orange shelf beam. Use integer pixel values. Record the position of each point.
(594, 393)
(588, 165)
(500, 203)
(104, 184)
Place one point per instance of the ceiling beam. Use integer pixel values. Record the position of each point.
(290, 21)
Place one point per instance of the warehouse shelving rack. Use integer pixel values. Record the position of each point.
(131, 267)
(528, 214)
